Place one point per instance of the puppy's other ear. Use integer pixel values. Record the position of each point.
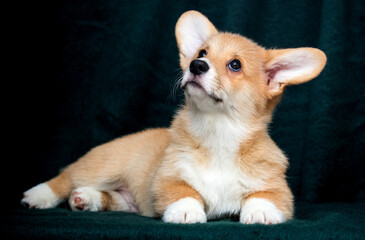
(292, 66)
(191, 31)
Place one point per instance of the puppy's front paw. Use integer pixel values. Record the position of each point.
(259, 210)
(186, 210)
(85, 199)
(40, 196)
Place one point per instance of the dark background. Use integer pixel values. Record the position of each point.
(81, 73)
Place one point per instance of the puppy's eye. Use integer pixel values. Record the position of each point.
(235, 65)
(202, 53)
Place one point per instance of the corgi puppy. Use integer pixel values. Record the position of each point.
(217, 158)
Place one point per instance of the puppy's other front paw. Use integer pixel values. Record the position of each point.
(40, 196)
(260, 210)
(85, 199)
(186, 210)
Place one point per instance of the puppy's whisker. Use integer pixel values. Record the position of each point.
(176, 85)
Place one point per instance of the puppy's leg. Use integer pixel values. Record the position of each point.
(90, 199)
(48, 194)
(267, 207)
(96, 169)
(178, 202)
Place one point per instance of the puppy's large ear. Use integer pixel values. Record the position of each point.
(191, 31)
(292, 66)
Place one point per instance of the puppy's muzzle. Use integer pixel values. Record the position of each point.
(198, 67)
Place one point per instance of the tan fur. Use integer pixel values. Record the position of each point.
(149, 163)
(129, 161)
(61, 185)
(111, 201)
(169, 191)
(107, 201)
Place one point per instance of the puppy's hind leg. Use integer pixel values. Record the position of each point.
(90, 199)
(48, 194)
(101, 169)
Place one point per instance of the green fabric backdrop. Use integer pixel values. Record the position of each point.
(95, 70)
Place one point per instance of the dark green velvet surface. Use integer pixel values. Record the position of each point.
(313, 221)
(89, 71)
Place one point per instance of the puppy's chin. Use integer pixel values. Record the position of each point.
(198, 90)
(195, 90)
(201, 101)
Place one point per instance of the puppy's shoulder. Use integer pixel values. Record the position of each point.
(260, 151)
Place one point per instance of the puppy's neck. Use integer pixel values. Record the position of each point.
(221, 133)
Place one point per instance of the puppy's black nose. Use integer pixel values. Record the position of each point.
(198, 67)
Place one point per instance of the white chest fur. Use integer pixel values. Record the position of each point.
(221, 182)
(222, 187)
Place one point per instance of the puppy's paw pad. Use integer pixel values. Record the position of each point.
(258, 210)
(85, 199)
(186, 210)
(40, 196)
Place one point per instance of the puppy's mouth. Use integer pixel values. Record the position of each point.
(195, 84)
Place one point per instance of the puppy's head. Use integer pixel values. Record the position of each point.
(230, 73)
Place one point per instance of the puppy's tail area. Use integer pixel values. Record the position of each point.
(49, 194)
